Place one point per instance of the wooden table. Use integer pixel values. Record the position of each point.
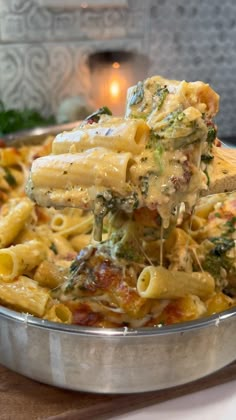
(24, 399)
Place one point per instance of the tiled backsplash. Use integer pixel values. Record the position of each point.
(44, 50)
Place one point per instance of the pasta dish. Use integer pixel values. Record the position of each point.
(115, 230)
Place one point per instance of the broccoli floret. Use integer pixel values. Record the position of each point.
(128, 252)
(214, 263)
(124, 244)
(216, 259)
(222, 244)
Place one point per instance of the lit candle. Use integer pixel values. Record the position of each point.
(114, 89)
(111, 75)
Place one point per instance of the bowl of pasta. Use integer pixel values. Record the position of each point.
(117, 246)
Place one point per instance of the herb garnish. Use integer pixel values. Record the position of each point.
(208, 178)
(207, 158)
(211, 135)
(158, 156)
(153, 140)
(162, 93)
(53, 248)
(216, 259)
(230, 224)
(222, 244)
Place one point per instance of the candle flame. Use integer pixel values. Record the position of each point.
(114, 89)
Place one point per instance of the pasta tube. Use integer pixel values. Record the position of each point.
(219, 302)
(62, 245)
(80, 241)
(24, 294)
(177, 240)
(59, 313)
(69, 225)
(99, 167)
(59, 198)
(12, 223)
(25, 235)
(60, 222)
(21, 258)
(197, 227)
(115, 134)
(160, 283)
(73, 178)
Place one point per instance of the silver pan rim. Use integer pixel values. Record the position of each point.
(182, 327)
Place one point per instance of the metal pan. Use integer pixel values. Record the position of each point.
(116, 360)
(112, 360)
(38, 134)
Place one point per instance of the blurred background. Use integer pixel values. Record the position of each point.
(65, 58)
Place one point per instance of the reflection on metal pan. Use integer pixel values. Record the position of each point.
(38, 134)
(116, 360)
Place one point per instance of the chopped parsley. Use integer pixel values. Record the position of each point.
(162, 93)
(222, 244)
(153, 140)
(211, 135)
(53, 248)
(207, 158)
(112, 202)
(216, 260)
(208, 178)
(231, 225)
(213, 264)
(174, 117)
(158, 156)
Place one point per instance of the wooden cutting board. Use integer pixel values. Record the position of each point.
(24, 399)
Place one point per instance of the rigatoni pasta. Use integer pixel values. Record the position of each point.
(14, 220)
(21, 258)
(114, 134)
(150, 253)
(25, 295)
(68, 225)
(80, 176)
(59, 313)
(158, 282)
(95, 167)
